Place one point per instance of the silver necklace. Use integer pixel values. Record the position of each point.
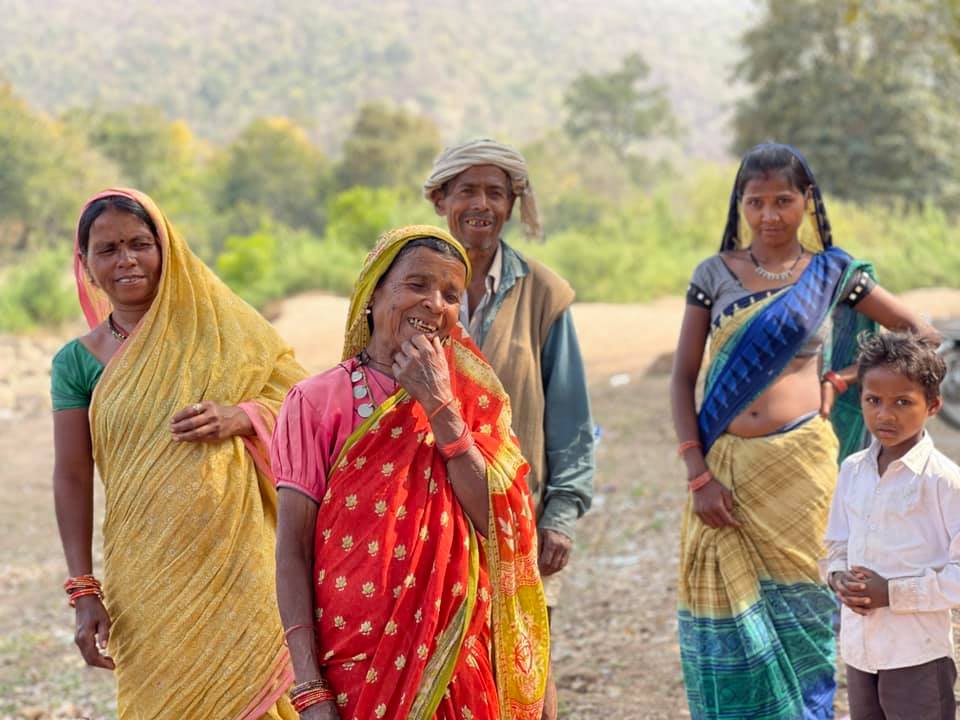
(767, 274)
(361, 391)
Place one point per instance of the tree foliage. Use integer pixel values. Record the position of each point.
(46, 170)
(272, 166)
(388, 147)
(617, 109)
(866, 90)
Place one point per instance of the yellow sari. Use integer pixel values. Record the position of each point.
(189, 530)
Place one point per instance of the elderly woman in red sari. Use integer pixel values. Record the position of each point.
(407, 575)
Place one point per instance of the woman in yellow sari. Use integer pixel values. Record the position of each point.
(406, 547)
(172, 396)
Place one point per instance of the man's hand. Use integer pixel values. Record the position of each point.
(554, 551)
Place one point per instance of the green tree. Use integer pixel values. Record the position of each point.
(618, 109)
(866, 90)
(273, 166)
(388, 147)
(359, 216)
(46, 172)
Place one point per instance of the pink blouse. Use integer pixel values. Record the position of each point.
(317, 417)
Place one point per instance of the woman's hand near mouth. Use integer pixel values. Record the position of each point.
(420, 366)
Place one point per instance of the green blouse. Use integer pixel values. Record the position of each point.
(73, 376)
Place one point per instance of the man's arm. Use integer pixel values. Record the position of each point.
(568, 430)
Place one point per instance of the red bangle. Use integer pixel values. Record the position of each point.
(310, 693)
(292, 628)
(687, 445)
(432, 415)
(458, 447)
(838, 382)
(82, 586)
(699, 481)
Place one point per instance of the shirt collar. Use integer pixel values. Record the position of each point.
(495, 273)
(915, 459)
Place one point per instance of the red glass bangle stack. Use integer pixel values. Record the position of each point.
(309, 693)
(81, 586)
(458, 447)
(838, 382)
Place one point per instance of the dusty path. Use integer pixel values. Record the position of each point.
(616, 654)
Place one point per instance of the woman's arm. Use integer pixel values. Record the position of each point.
(713, 502)
(73, 501)
(882, 307)
(467, 472)
(296, 526)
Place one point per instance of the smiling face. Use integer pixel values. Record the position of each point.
(895, 408)
(420, 295)
(477, 204)
(123, 258)
(774, 209)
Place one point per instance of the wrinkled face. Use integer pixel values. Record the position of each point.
(123, 258)
(773, 208)
(895, 408)
(420, 295)
(477, 204)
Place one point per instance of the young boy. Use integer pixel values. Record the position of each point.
(893, 541)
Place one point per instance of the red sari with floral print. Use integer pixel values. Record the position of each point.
(417, 615)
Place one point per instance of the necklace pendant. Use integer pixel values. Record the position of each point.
(365, 410)
(772, 275)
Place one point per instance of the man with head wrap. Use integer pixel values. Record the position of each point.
(518, 312)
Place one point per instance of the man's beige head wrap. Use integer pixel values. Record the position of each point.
(455, 160)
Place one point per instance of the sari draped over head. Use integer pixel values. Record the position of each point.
(755, 621)
(418, 616)
(189, 527)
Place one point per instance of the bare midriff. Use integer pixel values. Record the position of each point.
(791, 396)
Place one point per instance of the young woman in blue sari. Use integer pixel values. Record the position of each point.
(782, 309)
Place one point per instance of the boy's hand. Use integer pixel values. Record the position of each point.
(849, 589)
(875, 590)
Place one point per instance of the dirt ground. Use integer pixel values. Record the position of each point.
(616, 655)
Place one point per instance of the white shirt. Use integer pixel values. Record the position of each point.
(906, 527)
(472, 319)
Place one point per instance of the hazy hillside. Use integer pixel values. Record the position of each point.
(474, 66)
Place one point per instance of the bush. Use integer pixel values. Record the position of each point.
(277, 261)
(37, 292)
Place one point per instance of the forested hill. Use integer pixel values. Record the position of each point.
(474, 66)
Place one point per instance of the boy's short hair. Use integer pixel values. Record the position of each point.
(911, 355)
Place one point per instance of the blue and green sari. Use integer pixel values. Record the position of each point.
(755, 622)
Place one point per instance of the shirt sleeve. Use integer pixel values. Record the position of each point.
(294, 455)
(838, 527)
(937, 588)
(70, 385)
(858, 286)
(568, 430)
(701, 290)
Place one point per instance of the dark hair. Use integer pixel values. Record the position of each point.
(912, 356)
(769, 159)
(766, 159)
(100, 206)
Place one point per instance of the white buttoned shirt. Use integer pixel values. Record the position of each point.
(472, 318)
(905, 526)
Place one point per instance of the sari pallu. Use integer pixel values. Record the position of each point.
(189, 528)
(413, 607)
(755, 622)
